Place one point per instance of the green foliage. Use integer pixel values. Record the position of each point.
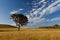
(19, 19)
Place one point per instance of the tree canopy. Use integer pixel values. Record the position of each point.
(19, 19)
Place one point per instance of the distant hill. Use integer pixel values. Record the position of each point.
(55, 26)
(6, 26)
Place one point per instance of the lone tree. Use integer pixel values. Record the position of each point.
(20, 20)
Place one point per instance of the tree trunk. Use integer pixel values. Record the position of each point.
(18, 27)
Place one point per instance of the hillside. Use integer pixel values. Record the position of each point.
(53, 27)
(6, 26)
(10, 26)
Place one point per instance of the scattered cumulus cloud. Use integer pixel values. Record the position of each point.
(16, 11)
(13, 12)
(53, 7)
(55, 19)
(43, 10)
(49, 10)
(20, 9)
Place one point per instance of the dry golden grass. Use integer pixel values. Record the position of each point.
(29, 34)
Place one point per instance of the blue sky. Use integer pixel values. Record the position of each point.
(39, 12)
(6, 6)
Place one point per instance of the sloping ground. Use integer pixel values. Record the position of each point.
(6, 26)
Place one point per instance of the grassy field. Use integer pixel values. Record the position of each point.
(8, 32)
(29, 34)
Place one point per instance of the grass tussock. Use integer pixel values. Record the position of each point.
(30, 34)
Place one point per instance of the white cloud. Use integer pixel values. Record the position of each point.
(48, 10)
(55, 19)
(39, 9)
(16, 11)
(20, 9)
(28, 16)
(41, 1)
(35, 11)
(13, 12)
(53, 9)
(36, 20)
(39, 20)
